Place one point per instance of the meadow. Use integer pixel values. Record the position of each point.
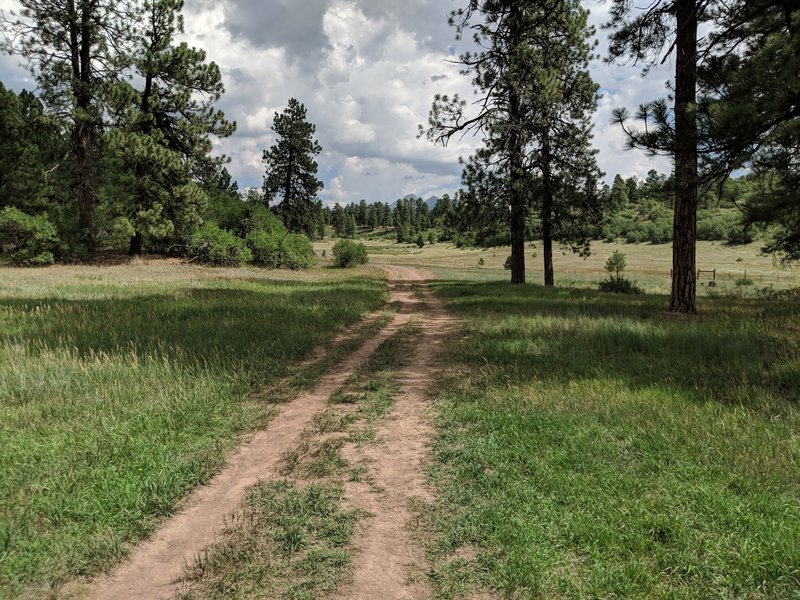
(123, 388)
(591, 446)
(587, 445)
(648, 264)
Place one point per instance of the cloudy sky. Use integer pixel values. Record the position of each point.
(367, 71)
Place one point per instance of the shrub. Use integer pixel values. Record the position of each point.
(740, 235)
(744, 282)
(298, 253)
(481, 262)
(215, 246)
(263, 219)
(616, 283)
(28, 240)
(347, 253)
(620, 286)
(265, 247)
(276, 250)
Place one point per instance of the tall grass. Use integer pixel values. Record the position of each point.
(122, 391)
(592, 447)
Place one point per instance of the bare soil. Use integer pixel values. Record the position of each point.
(388, 564)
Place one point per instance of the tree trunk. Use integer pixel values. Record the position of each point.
(81, 45)
(517, 244)
(684, 251)
(83, 155)
(547, 216)
(135, 249)
(517, 195)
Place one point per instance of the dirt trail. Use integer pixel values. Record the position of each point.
(388, 563)
(154, 566)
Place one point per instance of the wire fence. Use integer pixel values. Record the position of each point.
(788, 278)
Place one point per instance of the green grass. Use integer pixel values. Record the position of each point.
(121, 389)
(287, 544)
(590, 446)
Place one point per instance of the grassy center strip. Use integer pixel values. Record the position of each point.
(291, 540)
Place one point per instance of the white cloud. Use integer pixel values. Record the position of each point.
(367, 71)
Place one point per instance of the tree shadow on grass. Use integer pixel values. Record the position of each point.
(738, 352)
(254, 331)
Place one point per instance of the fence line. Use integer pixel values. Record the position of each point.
(703, 275)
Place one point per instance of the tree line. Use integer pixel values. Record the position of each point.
(115, 149)
(117, 144)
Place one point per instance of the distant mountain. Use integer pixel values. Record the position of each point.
(430, 202)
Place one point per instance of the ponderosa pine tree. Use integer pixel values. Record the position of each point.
(753, 119)
(72, 48)
(643, 36)
(735, 97)
(162, 141)
(291, 171)
(535, 101)
(496, 73)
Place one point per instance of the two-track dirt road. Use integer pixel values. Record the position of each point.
(387, 563)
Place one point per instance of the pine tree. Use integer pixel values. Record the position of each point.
(73, 49)
(32, 148)
(753, 119)
(735, 102)
(535, 99)
(291, 177)
(162, 139)
(619, 194)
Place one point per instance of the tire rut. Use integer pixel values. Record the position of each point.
(154, 566)
(389, 563)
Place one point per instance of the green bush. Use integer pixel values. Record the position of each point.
(298, 253)
(28, 240)
(347, 253)
(215, 246)
(266, 248)
(620, 285)
(262, 218)
(280, 250)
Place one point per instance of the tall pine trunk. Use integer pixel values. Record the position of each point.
(136, 246)
(684, 252)
(137, 241)
(517, 193)
(80, 31)
(547, 216)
